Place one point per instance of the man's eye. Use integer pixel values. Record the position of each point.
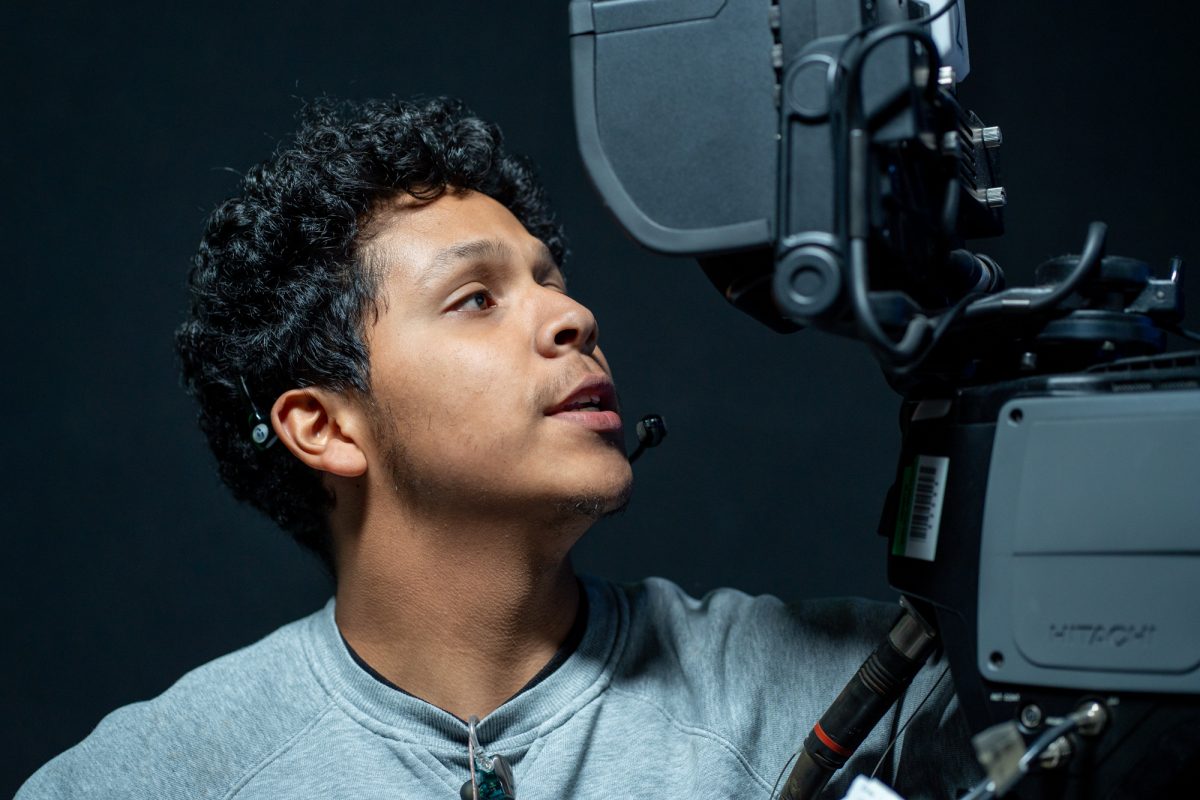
(476, 301)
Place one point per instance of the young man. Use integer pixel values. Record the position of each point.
(388, 363)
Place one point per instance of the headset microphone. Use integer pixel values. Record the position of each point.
(651, 430)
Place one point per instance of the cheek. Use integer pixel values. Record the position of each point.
(464, 398)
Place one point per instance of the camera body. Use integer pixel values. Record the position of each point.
(813, 157)
(710, 130)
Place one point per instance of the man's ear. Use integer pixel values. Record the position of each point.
(322, 429)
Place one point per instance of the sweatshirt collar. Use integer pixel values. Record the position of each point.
(513, 726)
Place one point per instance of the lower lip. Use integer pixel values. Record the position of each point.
(599, 421)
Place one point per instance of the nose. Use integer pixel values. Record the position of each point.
(568, 326)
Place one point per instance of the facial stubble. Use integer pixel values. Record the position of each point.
(407, 478)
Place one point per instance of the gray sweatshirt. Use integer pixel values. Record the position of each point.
(665, 696)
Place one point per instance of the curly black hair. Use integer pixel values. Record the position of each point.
(280, 289)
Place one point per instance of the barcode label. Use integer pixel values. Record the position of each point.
(920, 513)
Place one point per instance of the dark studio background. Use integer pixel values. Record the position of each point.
(127, 563)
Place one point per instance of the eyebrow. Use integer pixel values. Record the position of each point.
(446, 260)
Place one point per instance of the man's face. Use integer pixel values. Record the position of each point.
(488, 389)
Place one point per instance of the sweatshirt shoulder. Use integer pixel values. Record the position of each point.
(756, 672)
(661, 613)
(201, 736)
(730, 656)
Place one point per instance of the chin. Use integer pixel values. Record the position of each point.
(600, 498)
(595, 506)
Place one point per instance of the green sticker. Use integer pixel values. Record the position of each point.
(903, 513)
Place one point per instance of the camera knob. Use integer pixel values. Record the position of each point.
(808, 283)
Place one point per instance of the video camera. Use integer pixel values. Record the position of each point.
(812, 155)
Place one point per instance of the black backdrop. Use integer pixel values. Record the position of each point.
(126, 562)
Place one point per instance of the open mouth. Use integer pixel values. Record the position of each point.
(593, 404)
(590, 403)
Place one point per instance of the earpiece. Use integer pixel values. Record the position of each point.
(260, 430)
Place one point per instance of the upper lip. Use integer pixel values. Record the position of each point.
(599, 387)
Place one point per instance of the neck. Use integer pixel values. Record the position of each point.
(462, 613)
